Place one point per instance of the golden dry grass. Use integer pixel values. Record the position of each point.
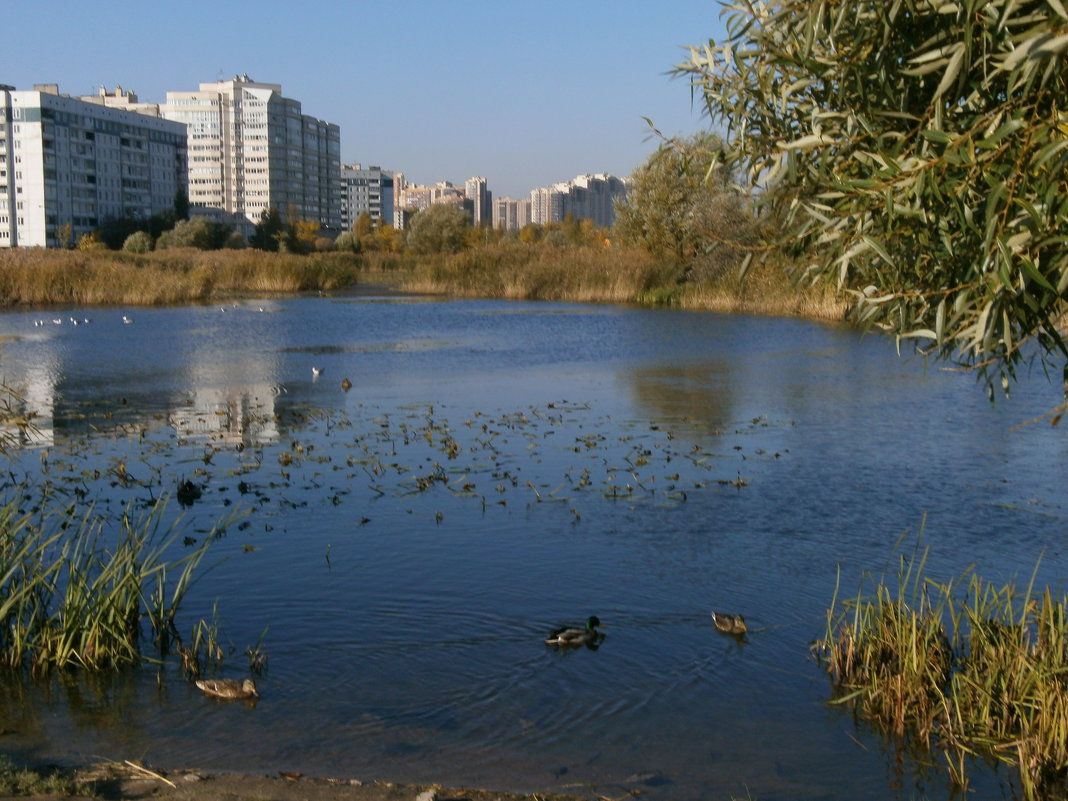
(509, 270)
(54, 277)
(616, 275)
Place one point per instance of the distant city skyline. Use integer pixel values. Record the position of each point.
(525, 96)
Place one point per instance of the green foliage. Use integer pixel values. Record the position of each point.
(269, 230)
(442, 228)
(364, 225)
(73, 597)
(235, 240)
(919, 154)
(138, 242)
(348, 242)
(681, 205)
(65, 235)
(198, 232)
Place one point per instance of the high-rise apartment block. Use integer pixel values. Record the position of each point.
(510, 214)
(480, 200)
(587, 197)
(251, 149)
(67, 165)
(365, 191)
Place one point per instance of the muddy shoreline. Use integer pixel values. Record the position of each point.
(131, 782)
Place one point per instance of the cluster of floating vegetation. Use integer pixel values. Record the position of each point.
(966, 668)
(561, 453)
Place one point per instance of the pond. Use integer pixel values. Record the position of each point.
(403, 546)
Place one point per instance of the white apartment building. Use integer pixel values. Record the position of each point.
(252, 149)
(587, 197)
(511, 214)
(65, 162)
(365, 190)
(480, 199)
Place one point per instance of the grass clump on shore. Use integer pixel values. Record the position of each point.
(15, 781)
(72, 597)
(964, 667)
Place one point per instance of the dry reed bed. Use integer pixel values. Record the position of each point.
(90, 278)
(512, 271)
(615, 275)
(975, 671)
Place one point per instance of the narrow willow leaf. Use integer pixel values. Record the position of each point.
(919, 333)
(1040, 46)
(940, 137)
(1033, 273)
(952, 71)
(1049, 151)
(806, 142)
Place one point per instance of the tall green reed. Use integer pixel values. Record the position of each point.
(74, 594)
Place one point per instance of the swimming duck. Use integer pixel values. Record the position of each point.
(228, 688)
(729, 624)
(573, 636)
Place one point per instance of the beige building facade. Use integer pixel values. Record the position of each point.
(252, 149)
(66, 166)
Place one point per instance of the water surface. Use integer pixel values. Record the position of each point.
(497, 469)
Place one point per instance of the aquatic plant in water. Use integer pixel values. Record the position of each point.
(74, 594)
(966, 667)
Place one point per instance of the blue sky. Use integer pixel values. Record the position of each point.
(523, 94)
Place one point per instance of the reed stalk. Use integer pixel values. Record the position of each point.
(974, 669)
(74, 595)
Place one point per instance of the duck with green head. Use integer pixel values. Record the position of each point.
(573, 636)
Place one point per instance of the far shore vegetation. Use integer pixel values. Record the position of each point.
(681, 240)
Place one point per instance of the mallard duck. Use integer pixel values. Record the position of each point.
(729, 624)
(228, 688)
(574, 636)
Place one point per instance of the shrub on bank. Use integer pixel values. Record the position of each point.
(138, 242)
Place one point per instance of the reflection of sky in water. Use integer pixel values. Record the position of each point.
(495, 469)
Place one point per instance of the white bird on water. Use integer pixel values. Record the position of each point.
(316, 372)
(127, 320)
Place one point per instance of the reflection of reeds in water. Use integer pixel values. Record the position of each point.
(72, 597)
(971, 669)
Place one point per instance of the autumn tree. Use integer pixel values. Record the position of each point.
(682, 206)
(442, 228)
